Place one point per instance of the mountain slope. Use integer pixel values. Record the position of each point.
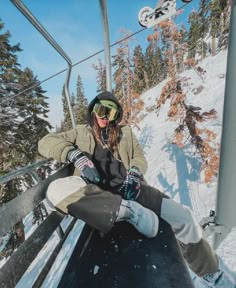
(177, 171)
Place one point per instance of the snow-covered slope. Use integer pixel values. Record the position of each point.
(173, 170)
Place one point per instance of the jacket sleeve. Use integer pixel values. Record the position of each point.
(57, 145)
(137, 158)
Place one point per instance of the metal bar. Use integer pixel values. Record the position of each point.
(68, 96)
(58, 267)
(24, 10)
(24, 170)
(14, 210)
(15, 267)
(226, 194)
(106, 40)
(37, 281)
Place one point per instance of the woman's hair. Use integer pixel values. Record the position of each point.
(113, 135)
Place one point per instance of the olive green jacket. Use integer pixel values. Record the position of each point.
(57, 146)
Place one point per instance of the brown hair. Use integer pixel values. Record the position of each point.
(113, 135)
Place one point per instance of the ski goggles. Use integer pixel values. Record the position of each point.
(102, 111)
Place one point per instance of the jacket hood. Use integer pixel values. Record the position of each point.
(104, 96)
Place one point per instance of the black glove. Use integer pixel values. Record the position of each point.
(87, 169)
(131, 187)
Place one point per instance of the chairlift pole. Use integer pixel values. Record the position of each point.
(105, 29)
(226, 192)
(23, 9)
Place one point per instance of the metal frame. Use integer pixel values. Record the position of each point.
(24, 10)
(225, 218)
(103, 9)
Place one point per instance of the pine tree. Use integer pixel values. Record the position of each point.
(32, 123)
(124, 82)
(203, 13)
(194, 35)
(101, 76)
(123, 76)
(215, 23)
(23, 122)
(150, 65)
(9, 86)
(139, 83)
(182, 48)
(67, 125)
(81, 102)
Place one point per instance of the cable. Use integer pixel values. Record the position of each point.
(79, 62)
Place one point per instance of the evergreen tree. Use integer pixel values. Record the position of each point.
(123, 76)
(150, 65)
(101, 76)
(67, 124)
(23, 122)
(182, 48)
(203, 12)
(225, 22)
(23, 116)
(154, 64)
(215, 23)
(124, 82)
(81, 102)
(160, 66)
(33, 124)
(139, 83)
(9, 87)
(194, 35)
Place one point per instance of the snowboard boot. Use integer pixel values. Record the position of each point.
(143, 219)
(223, 278)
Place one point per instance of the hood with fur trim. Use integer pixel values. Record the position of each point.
(104, 96)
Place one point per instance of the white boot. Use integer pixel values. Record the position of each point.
(143, 219)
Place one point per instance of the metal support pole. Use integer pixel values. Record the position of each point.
(226, 190)
(105, 29)
(23, 9)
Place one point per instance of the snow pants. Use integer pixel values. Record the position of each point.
(99, 209)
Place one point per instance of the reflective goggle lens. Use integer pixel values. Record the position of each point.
(105, 112)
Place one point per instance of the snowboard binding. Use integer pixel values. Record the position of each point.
(149, 17)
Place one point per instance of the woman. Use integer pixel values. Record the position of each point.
(109, 159)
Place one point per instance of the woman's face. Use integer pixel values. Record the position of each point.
(102, 123)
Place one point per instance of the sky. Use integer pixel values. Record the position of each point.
(175, 172)
(76, 27)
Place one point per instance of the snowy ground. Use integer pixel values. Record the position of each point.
(173, 171)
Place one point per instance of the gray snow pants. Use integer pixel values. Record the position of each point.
(99, 209)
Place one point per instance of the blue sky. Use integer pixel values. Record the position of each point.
(76, 27)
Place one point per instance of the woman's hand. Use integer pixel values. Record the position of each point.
(87, 169)
(131, 187)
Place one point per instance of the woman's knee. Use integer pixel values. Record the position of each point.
(63, 191)
(182, 221)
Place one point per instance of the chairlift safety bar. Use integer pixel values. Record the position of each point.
(23, 9)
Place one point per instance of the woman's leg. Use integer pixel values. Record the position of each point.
(71, 195)
(98, 208)
(195, 249)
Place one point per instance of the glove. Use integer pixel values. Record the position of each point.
(131, 187)
(87, 169)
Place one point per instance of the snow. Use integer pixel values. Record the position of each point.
(171, 170)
